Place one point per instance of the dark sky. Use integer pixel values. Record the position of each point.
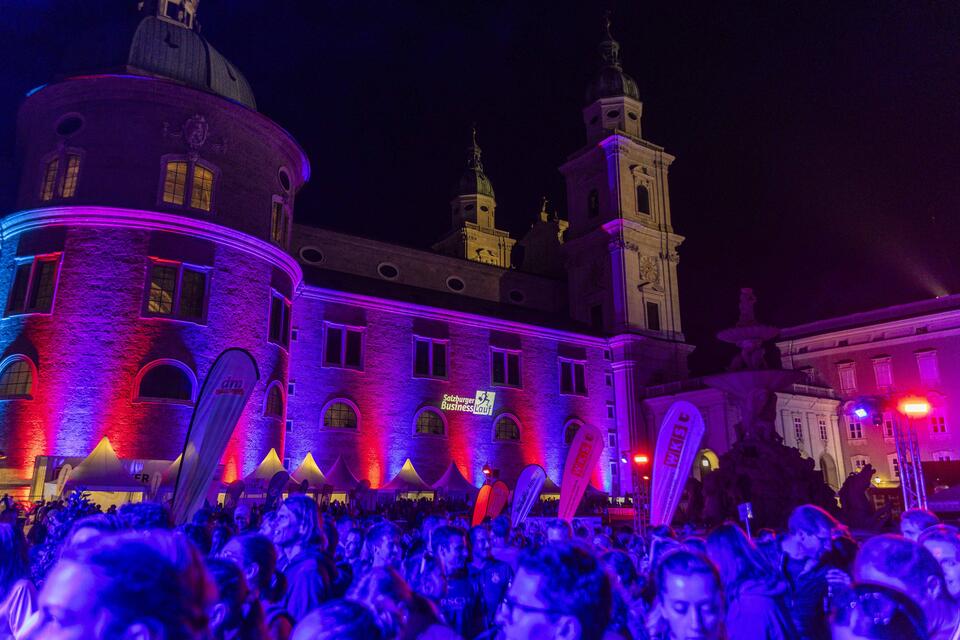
(817, 142)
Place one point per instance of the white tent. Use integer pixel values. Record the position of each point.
(102, 471)
(407, 480)
(452, 481)
(309, 471)
(340, 478)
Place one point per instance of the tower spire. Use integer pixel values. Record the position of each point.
(609, 48)
(473, 151)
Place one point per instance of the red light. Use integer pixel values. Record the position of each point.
(641, 459)
(913, 406)
(646, 477)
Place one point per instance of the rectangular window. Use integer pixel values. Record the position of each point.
(894, 466)
(943, 456)
(505, 368)
(289, 426)
(279, 332)
(175, 183)
(344, 347)
(929, 368)
(883, 372)
(859, 462)
(70, 175)
(612, 439)
(611, 411)
(938, 424)
(573, 377)
(653, 316)
(177, 290)
(430, 358)
(608, 379)
(34, 283)
(278, 223)
(49, 180)
(822, 424)
(848, 377)
(887, 426)
(291, 388)
(798, 428)
(856, 430)
(202, 192)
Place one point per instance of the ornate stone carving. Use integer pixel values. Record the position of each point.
(650, 270)
(195, 132)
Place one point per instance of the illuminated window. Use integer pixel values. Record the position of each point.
(505, 367)
(279, 330)
(798, 428)
(855, 430)
(34, 283)
(278, 223)
(60, 175)
(430, 358)
(430, 422)
(176, 290)
(187, 181)
(274, 405)
(16, 379)
(506, 429)
(938, 424)
(929, 368)
(848, 377)
(643, 199)
(344, 347)
(573, 379)
(859, 462)
(340, 415)
(165, 382)
(822, 424)
(570, 432)
(943, 456)
(883, 373)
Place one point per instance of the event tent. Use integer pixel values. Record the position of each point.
(407, 480)
(260, 477)
(309, 471)
(340, 478)
(452, 481)
(102, 471)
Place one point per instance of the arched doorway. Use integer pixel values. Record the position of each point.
(828, 467)
(706, 462)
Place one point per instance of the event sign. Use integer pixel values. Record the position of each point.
(498, 499)
(224, 395)
(480, 507)
(677, 444)
(480, 404)
(526, 493)
(582, 459)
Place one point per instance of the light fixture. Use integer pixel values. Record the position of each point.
(914, 406)
(860, 412)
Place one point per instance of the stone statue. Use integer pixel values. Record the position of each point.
(747, 301)
(856, 509)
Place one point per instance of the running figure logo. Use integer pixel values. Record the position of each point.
(483, 405)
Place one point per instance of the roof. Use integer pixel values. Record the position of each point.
(266, 469)
(102, 470)
(452, 481)
(907, 311)
(340, 478)
(309, 471)
(611, 81)
(407, 479)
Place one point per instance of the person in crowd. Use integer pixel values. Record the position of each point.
(235, 615)
(689, 598)
(491, 576)
(629, 611)
(244, 519)
(353, 550)
(462, 603)
(756, 592)
(298, 534)
(382, 548)
(559, 592)
(257, 557)
(403, 613)
(906, 566)
(559, 531)
(123, 586)
(338, 620)
(875, 612)
(144, 516)
(943, 542)
(89, 527)
(501, 548)
(914, 521)
(18, 598)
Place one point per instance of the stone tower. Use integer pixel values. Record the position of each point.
(473, 234)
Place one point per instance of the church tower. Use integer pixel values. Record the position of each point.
(474, 235)
(622, 251)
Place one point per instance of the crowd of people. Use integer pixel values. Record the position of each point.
(295, 571)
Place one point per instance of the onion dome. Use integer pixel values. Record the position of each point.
(611, 81)
(474, 180)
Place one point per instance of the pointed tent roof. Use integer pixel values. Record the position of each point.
(309, 471)
(169, 478)
(407, 479)
(549, 487)
(102, 470)
(452, 481)
(340, 478)
(267, 469)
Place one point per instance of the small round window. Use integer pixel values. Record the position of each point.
(455, 284)
(484, 209)
(516, 295)
(631, 115)
(613, 114)
(311, 255)
(284, 179)
(388, 271)
(69, 125)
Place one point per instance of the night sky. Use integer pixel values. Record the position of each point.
(817, 142)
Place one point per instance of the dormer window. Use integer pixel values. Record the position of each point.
(186, 181)
(60, 175)
(177, 10)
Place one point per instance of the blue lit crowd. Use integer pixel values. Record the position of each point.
(68, 570)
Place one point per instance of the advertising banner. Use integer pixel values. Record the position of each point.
(582, 459)
(528, 490)
(224, 395)
(677, 444)
(498, 498)
(480, 507)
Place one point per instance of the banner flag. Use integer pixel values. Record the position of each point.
(582, 459)
(677, 444)
(526, 493)
(480, 507)
(498, 499)
(221, 401)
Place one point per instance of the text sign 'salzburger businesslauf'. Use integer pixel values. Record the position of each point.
(480, 405)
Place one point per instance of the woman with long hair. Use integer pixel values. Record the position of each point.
(18, 598)
(237, 615)
(257, 557)
(689, 598)
(756, 592)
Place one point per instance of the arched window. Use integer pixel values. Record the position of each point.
(593, 203)
(506, 428)
(430, 422)
(16, 378)
(570, 432)
(340, 414)
(60, 176)
(643, 199)
(187, 181)
(166, 380)
(274, 405)
(279, 222)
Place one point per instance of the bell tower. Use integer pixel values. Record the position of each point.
(621, 252)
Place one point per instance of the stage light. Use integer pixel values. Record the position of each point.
(641, 458)
(704, 463)
(860, 412)
(487, 471)
(914, 407)
(623, 459)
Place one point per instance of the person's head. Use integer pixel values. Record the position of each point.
(14, 560)
(559, 531)
(500, 531)
(90, 527)
(560, 592)
(338, 620)
(257, 557)
(428, 526)
(904, 565)
(450, 544)
(943, 542)
(620, 568)
(914, 521)
(123, 586)
(268, 523)
(331, 535)
(353, 543)
(874, 612)
(298, 523)
(144, 516)
(689, 596)
(735, 556)
(811, 530)
(233, 615)
(480, 542)
(383, 545)
(243, 518)
(602, 543)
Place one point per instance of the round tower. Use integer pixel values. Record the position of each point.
(151, 231)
